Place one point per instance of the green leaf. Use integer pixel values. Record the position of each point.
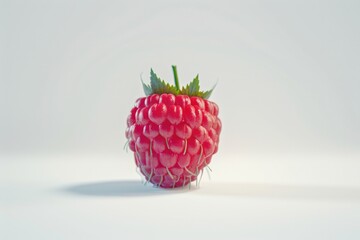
(155, 81)
(185, 90)
(194, 86)
(147, 88)
(159, 86)
(207, 94)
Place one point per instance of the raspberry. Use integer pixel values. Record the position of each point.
(173, 132)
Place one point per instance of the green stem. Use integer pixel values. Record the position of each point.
(176, 78)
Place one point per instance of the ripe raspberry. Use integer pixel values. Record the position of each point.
(173, 132)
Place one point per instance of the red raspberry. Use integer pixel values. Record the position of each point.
(173, 132)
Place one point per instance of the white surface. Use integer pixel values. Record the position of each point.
(249, 197)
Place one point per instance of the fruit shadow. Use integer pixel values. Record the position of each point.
(281, 191)
(124, 188)
(132, 188)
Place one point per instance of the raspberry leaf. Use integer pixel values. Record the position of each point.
(207, 94)
(147, 88)
(193, 88)
(158, 86)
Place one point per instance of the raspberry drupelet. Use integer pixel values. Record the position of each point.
(173, 132)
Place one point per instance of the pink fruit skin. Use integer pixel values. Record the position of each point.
(173, 137)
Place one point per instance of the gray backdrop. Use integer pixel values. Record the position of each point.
(287, 72)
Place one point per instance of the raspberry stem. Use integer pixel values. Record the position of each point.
(176, 78)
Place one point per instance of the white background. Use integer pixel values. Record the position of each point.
(288, 81)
